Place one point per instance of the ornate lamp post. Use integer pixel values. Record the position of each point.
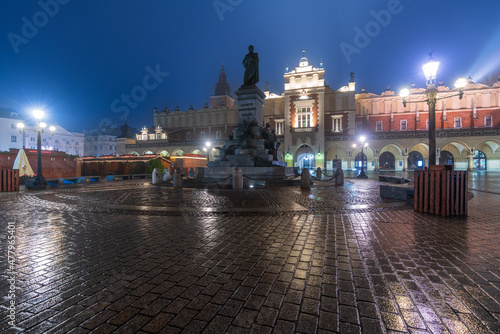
(362, 174)
(207, 149)
(430, 71)
(39, 180)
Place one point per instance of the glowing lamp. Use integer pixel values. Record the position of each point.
(461, 83)
(43, 125)
(362, 139)
(430, 70)
(38, 114)
(404, 93)
(20, 126)
(52, 128)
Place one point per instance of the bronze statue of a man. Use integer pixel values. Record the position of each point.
(251, 64)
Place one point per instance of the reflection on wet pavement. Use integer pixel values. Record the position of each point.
(333, 259)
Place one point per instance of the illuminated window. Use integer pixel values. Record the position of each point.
(488, 121)
(304, 117)
(458, 122)
(359, 127)
(378, 126)
(279, 128)
(336, 123)
(403, 125)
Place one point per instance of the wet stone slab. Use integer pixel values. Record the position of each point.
(329, 260)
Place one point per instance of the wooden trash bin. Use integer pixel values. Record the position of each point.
(441, 191)
(9, 180)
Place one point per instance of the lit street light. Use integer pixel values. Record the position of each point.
(39, 180)
(430, 71)
(362, 174)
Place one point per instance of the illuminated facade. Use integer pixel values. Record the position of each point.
(317, 125)
(71, 143)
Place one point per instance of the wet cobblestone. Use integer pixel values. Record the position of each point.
(329, 260)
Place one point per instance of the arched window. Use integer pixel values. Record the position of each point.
(358, 160)
(480, 160)
(387, 161)
(446, 158)
(415, 160)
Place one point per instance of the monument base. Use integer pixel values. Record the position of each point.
(255, 173)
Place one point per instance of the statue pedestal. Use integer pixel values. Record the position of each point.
(250, 102)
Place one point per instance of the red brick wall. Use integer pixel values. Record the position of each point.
(55, 164)
(424, 116)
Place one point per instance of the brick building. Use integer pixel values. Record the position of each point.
(317, 124)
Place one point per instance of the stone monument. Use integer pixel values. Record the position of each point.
(251, 146)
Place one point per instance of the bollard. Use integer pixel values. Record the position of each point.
(166, 175)
(305, 179)
(339, 180)
(178, 178)
(237, 179)
(318, 173)
(155, 179)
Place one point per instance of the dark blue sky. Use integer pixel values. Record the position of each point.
(89, 53)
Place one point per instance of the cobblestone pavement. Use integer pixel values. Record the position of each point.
(130, 257)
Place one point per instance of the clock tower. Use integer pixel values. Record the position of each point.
(222, 96)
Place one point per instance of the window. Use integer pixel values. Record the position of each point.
(158, 136)
(188, 136)
(427, 124)
(279, 128)
(95, 147)
(12, 126)
(57, 141)
(110, 147)
(44, 140)
(202, 134)
(359, 127)
(378, 126)
(336, 123)
(32, 138)
(403, 125)
(304, 117)
(77, 143)
(101, 147)
(77, 152)
(488, 121)
(13, 139)
(458, 122)
(67, 141)
(217, 134)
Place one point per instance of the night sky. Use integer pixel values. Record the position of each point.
(80, 59)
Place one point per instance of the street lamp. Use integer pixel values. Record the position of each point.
(362, 139)
(430, 71)
(207, 149)
(39, 180)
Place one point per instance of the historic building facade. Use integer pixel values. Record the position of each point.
(72, 143)
(318, 126)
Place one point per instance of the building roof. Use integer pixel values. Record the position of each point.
(9, 113)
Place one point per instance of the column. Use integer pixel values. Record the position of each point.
(376, 157)
(405, 163)
(470, 167)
